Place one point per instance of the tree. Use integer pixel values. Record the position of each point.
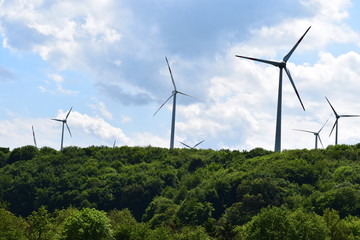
(87, 224)
(126, 227)
(308, 226)
(194, 212)
(11, 227)
(23, 153)
(270, 224)
(337, 227)
(40, 225)
(3, 159)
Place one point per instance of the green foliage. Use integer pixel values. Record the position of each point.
(11, 227)
(23, 153)
(126, 227)
(271, 223)
(154, 193)
(194, 212)
(3, 159)
(349, 173)
(308, 226)
(87, 224)
(192, 233)
(160, 211)
(280, 223)
(40, 225)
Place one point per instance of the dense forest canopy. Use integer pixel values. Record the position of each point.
(156, 193)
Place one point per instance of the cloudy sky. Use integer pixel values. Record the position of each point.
(106, 59)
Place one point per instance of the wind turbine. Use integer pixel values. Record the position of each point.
(337, 116)
(317, 134)
(33, 132)
(193, 146)
(173, 95)
(114, 143)
(64, 122)
(281, 65)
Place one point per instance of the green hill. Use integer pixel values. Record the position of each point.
(154, 193)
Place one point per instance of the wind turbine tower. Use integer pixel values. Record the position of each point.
(64, 122)
(173, 95)
(281, 65)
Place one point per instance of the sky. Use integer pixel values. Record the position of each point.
(106, 60)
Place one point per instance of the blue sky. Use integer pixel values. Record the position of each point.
(106, 59)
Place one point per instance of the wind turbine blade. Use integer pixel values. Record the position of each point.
(114, 143)
(172, 78)
(333, 127)
(59, 120)
(198, 143)
(286, 58)
(186, 145)
(349, 115)
(293, 84)
(186, 94)
(318, 136)
(68, 129)
(164, 103)
(332, 107)
(323, 126)
(33, 132)
(67, 115)
(304, 131)
(276, 64)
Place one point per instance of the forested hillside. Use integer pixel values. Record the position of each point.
(154, 193)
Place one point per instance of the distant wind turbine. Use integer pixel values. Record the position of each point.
(281, 65)
(317, 134)
(174, 92)
(337, 116)
(193, 146)
(64, 122)
(33, 132)
(114, 143)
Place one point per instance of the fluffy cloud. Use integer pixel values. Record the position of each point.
(243, 100)
(109, 40)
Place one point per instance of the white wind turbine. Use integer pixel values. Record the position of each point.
(173, 95)
(281, 65)
(64, 122)
(317, 134)
(337, 116)
(193, 147)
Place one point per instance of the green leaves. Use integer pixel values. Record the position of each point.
(154, 193)
(87, 224)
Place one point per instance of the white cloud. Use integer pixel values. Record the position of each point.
(243, 100)
(101, 107)
(94, 126)
(125, 119)
(240, 96)
(58, 80)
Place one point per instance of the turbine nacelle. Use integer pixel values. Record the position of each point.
(282, 64)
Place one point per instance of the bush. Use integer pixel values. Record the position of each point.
(87, 224)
